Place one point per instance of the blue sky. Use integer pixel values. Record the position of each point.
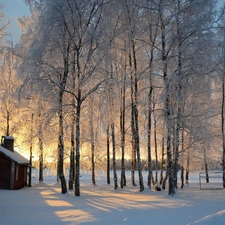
(14, 9)
(17, 8)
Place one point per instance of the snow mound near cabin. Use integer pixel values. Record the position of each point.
(214, 219)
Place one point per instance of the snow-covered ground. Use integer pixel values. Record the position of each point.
(101, 204)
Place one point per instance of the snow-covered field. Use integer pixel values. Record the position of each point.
(101, 204)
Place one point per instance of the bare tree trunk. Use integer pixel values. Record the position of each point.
(41, 178)
(155, 142)
(93, 161)
(114, 156)
(170, 170)
(162, 161)
(182, 177)
(177, 140)
(31, 149)
(73, 122)
(134, 93)
(179, 98)
(61, 146)
(167, 101)
(152, 39)
(92, 141)
(134, 150)
(141, 183)
(108, 155)
(187, 167)
(62, 87)
(206, 165)
(135, 117)
(222, 126)
(182, 160)
(133, 163)
(77, 158)
(149, 138)
(40, 140)
(72, 154)
(122, 131)
(168, 137)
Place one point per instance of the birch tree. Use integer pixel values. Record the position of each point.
(86, 37)
(221, 72)
(52, 69)
(178, 44)
(130, 21)
(9, 91)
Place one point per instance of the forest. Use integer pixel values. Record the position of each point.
(117, 85)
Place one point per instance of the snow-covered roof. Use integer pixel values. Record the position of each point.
(15, 156)
(9, 137)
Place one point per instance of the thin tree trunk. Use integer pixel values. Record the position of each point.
(135, 117)
(40, 141)
(153, 33)
(222, 126)
(62, 87)
(133, 163)
(122, 131)
(134, 154)
(182, 177)
(206, 165)
(187, 167)
(92, 142)
(179, 97)
(31, 149)
(170, 171)
(73, 122)
(93, 162)
(77, 158)
(182, 160)
(41, 178)
(72, 154)
(141, 183)
(149, 137)
(134, 101)
(114, 156)
(162, 161)
(177, 141)
(77, 122)
(61, 146)
(156, 146)
(108, 154)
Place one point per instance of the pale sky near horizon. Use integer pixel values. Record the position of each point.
(14, 9)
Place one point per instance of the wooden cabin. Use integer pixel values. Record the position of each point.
(13, 166)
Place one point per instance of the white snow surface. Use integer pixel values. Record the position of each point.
(44, 204)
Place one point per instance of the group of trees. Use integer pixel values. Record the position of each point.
(100, 80)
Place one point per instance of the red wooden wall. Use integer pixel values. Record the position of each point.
(20, 174)
(20, 177)
(5, 172)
